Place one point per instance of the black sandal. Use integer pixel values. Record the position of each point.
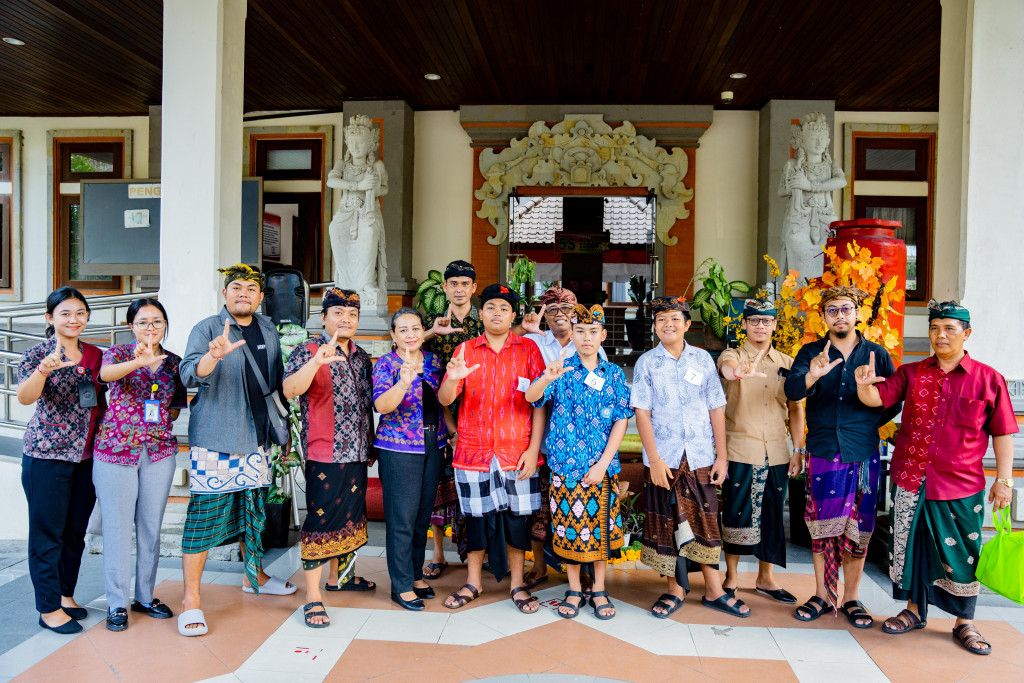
(912, 623)
(967, 635)
(461, 599)
(436, 567)
(814, 607)
(721, 603)
(603, 616)
(575, 608)
(857, 611)
(521, 604)
(357, 583)
(308, 615)
(670, 603)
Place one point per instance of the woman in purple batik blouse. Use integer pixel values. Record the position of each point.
(62, 377)
(135, 461)
(412, 430)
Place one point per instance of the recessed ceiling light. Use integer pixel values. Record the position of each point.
(13, 41)
(432, 77)
(738, 75)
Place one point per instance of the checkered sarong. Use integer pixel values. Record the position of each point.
(215, 520)
(481, 493)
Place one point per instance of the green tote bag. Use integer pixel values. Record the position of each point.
(1001, 566)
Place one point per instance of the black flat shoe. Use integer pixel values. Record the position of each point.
(415, 604)
(117, 620)
(156, 609)
(76, 613)
(423, 593)
(66, 628)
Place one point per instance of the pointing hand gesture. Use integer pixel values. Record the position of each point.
(457, 368)
(865, 374)
(55, 361)
(531, 321)
(443, 325)
(556, 369)
(146, 354)
(748, 368)
(820, 365)
(326, 354)
(222, 346)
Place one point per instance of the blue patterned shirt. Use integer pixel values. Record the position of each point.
(582, 417)
(680, 395)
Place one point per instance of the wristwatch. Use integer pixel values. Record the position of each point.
(1008, 483)
(801, 451)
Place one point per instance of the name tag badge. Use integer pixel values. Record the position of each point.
(152, 411)
(693, 377)
(523, 384)
(594, 382)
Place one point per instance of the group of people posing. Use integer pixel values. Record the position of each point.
(509, 435)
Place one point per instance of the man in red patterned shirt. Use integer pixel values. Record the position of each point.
(499, 445)
(953, 405)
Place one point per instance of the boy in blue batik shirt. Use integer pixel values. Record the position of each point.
(590, 409)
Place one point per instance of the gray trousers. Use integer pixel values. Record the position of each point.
(131, 494)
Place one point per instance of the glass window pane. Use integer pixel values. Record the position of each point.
(92, 162)
(890, 159)
(75, 245)
(907, 233)
(289, 159)
(2, 160)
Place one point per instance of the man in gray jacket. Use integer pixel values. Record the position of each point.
(229, 436)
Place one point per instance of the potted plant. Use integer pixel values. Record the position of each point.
(632, 516)
(638, 330)
(430, 293)
(520, 278)
(715, 302)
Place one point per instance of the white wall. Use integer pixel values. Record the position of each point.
(725, 194)
(37, 226)
(13, 506)
(442, 194)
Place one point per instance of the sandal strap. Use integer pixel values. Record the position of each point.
(668, 600)
(311, 605)
(473, 589)
(516, 590)
(575, 594)
(599, 594)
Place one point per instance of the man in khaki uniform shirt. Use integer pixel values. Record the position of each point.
(758, 449)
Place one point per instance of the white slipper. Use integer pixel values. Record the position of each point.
(273, 586)
(192, 616)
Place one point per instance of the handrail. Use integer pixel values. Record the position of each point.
(100, 302)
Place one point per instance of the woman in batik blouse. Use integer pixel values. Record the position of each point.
(62, 377)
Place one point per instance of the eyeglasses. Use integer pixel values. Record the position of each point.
(146, 324)
(760, 322)
(560, 309)
(834, 311)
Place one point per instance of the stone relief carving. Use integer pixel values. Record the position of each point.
(584, 151)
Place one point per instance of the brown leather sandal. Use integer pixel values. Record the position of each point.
(521, 604)
(461, 599)
(903, 625)
(967, 635)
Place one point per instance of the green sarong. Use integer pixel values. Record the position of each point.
(218, 519)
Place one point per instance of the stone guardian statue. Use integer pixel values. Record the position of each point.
(808, 180)
(357, 230)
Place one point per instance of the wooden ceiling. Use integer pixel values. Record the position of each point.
(104, 56)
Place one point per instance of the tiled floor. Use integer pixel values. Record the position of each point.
(263, 638)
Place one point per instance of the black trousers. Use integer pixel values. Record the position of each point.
(60, 499)
(410, 483)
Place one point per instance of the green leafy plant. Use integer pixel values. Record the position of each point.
(280, 462)
(714, 299)
(632, 518)
(641, 295)
(520, 278)
(430, 294)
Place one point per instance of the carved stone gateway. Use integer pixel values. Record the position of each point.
(584, 151)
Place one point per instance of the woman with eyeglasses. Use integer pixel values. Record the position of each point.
(135, 461)
(61, 376)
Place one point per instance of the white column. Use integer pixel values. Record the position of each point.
(201, 180)
(990, 253)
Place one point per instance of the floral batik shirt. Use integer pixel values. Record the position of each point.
(401, 430)
(60, 429)
(444, 346)
(337, 409)
(582, 417)
(124, 432)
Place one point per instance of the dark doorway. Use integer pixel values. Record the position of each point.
(301, 232)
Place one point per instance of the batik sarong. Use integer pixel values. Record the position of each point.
(540, 530)
(335, 525)
(934, 546)
(842, 501)
(214, 520)
(681, 521)
(586, 519)
(753, 502)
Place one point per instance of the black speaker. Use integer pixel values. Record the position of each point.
(286, 296)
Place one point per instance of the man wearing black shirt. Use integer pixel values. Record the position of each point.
(842, 458)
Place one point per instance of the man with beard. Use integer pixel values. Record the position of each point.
(954, 404)
(842, 460)
(498, 448)
(229, 434)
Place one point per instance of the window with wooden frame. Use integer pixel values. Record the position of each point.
(289, 159)
(912, 212)
(6, 199)
(80, 160)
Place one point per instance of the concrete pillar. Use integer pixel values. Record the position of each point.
(995, 179)
(397, 139)
(201, 156)
(772, 153)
